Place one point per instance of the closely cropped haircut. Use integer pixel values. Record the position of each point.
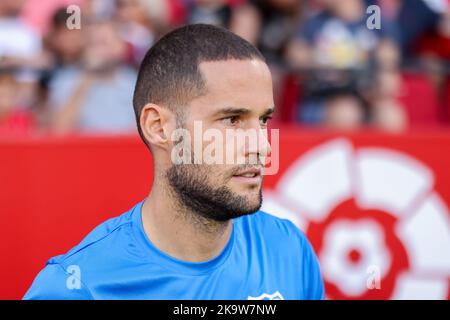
(169, 75)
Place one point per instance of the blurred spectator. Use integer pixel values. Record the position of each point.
(96, 95)
(19, 45)
(387, 112)
(269, 25)
(65, 44)
(215, 12)
(416, 18)
(426, 45)
(21, 51)
(138, 27)
(344, 75)
(14, 119)
(38, 13)
(338, 56)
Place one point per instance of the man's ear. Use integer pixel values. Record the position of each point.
(154, 123)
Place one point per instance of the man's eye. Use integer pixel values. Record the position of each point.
(265, 120)
(231, 121)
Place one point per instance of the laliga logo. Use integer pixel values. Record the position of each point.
(265, 296)
(379, 228)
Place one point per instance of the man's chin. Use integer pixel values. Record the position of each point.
(253, 203)
(251, 199)
(247, 207)
(235, 214)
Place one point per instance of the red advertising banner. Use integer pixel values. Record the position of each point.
(374, 206)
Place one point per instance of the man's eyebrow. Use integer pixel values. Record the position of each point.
(232, 111)
(241, 111)
(269, 111)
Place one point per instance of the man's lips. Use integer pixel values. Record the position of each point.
(249, 172)
(249, 175)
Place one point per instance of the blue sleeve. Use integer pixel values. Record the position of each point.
(311, 274)
(56, 283)
(312, 287)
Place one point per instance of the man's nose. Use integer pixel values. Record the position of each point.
(258, 143)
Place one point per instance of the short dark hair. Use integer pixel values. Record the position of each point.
(169, 75)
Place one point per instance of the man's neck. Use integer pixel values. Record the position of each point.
(180, 233)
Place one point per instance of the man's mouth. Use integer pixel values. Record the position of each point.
(249, 175)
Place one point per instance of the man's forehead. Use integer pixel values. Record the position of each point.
(234, 70)
(234, 84)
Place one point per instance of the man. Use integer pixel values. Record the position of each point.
(199, 234)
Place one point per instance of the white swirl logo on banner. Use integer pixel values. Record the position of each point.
(365, 208)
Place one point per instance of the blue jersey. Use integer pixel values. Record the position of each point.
(265, 258)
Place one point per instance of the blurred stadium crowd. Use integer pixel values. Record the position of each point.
(330, 70)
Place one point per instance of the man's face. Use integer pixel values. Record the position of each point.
(238, 98)
(104, 48)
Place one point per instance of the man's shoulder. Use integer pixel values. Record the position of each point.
(101, 237)
(54, 282)
(68, 276)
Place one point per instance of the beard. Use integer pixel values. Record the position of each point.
(190, 186)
